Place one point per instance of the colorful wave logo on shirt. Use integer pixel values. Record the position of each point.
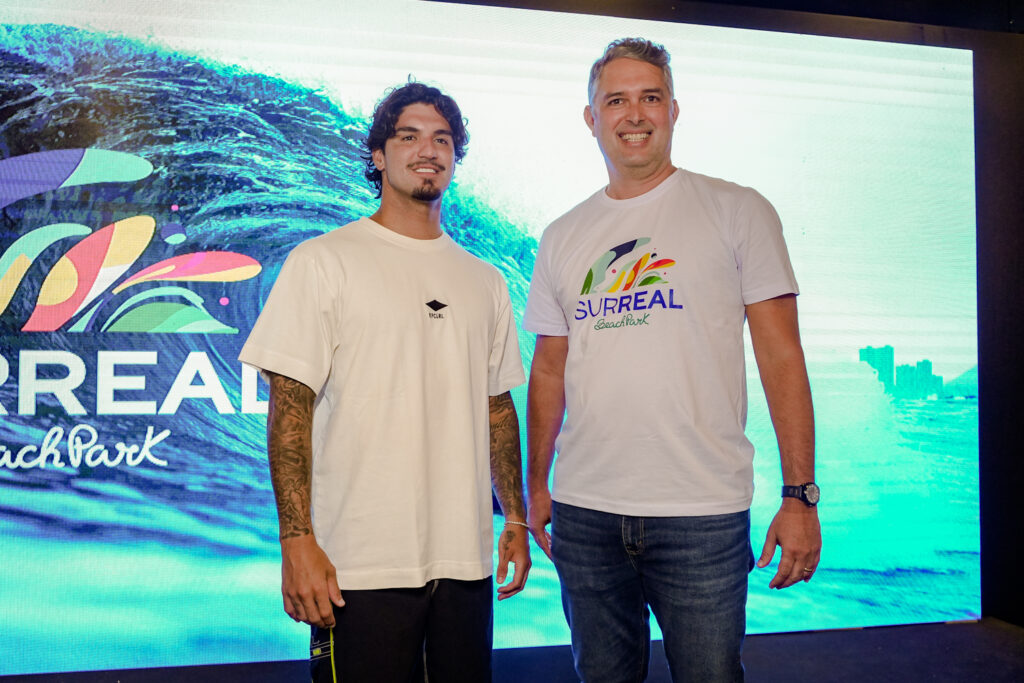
(83, 279)
(615, 272)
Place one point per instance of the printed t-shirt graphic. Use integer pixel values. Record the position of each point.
(624, 268)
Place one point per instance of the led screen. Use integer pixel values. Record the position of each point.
(159, 160)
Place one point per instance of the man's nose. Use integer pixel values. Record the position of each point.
(428, 148)
(634, 113)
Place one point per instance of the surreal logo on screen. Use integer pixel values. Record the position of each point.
(79, 294)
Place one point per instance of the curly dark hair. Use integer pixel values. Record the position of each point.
(390, 107)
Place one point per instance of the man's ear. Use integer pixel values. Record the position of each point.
(378, 159)
(588, 116)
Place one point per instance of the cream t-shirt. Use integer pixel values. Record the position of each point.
(402, 340)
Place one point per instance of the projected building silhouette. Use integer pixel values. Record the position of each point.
(904, 381)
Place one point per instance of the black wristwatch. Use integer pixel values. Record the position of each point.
(809, 493)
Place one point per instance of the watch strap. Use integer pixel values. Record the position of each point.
(800, 492)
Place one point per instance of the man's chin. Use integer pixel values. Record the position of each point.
(427, 193)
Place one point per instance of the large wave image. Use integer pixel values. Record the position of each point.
(223, 161)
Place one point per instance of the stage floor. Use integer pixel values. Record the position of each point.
(988, 650)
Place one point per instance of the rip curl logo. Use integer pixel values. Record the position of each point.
(626, 268)
(88, 276)
(435, 307)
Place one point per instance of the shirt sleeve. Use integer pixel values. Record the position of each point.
(293, 335)
(505, 365)
(761, 254)
(544, 314)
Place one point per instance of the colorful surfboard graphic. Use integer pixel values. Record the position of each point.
(87, 270)
(206, 266)
(81, 283)
(30, 174)
(18, 257)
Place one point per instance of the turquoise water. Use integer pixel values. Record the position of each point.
(899, 521)
(899, 518)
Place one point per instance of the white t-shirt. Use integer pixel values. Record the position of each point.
(651, 293)
(402, 340)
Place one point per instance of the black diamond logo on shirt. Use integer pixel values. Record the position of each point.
(436, 305)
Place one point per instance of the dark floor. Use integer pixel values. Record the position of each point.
(989, 650)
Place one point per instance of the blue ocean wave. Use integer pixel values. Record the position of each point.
(253, 164)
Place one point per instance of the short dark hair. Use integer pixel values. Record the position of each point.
(391, 106)
(632, 48)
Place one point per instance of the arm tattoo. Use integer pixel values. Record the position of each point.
(289, 447)
(506, 456)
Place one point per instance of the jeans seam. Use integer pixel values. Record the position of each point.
(627, 545)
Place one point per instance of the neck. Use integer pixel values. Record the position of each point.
(626, 184)
(409, 217)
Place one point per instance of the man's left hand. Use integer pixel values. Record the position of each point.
(796, 529)
(514, 547)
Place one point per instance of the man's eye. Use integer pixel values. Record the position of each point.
(443, 141)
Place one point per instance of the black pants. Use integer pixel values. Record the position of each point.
(395, 635)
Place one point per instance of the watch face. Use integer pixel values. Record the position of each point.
(812, 493)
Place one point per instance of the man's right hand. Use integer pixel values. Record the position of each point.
(538, 516)
(309, 582)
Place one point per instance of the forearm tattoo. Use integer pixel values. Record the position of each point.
(506, 456)
(289, 447)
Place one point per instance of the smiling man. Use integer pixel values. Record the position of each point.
(390, 353)
(638, 298)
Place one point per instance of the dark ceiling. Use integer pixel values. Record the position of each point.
(987, 15)
(1005, 16)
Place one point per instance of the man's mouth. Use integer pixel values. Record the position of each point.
(635, 137)
(427, 170)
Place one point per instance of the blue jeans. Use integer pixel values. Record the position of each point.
(691, 571)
